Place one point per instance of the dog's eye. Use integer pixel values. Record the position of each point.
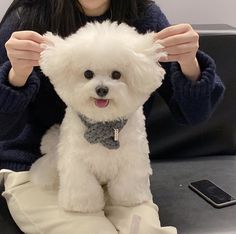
(116, 75)
(88, 74)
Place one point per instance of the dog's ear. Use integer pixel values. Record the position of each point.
(146, 73)
(52, 39)
(151, 47)
(50, 57)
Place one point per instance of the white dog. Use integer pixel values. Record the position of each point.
(104, 73)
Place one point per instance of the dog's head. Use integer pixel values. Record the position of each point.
(104, 70)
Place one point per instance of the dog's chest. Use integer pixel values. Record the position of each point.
(106, 163)
(105, 166)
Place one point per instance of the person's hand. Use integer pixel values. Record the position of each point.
(181, 43)
(23, 50)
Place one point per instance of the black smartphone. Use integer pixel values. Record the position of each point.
(212, 193)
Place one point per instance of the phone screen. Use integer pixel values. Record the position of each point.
(211, 191)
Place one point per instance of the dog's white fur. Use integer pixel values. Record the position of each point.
(85, 169)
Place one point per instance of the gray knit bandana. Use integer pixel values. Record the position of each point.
(105, 133)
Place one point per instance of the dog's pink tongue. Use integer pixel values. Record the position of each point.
(101, 102)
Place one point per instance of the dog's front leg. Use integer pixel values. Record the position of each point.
(79, 189)
(131, 186)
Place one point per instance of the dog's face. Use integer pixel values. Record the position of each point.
(104, 71)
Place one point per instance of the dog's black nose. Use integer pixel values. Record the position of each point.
(102, 91)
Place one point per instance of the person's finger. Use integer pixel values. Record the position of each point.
(179, 39)
(174, 57)
(28, 62)
(181, 49)
(24, 54)
(23, 45)
(28, 35)
(173, 30)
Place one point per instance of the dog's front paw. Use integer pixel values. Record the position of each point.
(81, 202)
(129, 196)
(44, 174)
(129, 200)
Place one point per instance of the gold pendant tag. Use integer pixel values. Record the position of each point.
(116, 134)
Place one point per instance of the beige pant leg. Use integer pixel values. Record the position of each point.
(141, 219)
(36, 211)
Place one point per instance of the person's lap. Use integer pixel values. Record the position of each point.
(36, 211)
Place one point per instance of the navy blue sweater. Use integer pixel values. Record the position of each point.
(27, 112)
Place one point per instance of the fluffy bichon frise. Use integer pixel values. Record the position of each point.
(104, 73)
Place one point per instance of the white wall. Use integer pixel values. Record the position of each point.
(187, 11)
(200, 11)
(4, 4)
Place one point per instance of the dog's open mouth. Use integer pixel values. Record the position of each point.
(101, 103)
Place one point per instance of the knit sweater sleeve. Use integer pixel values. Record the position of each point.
(13, 101)
(189, 101)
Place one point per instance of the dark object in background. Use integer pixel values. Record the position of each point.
(217, 136)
